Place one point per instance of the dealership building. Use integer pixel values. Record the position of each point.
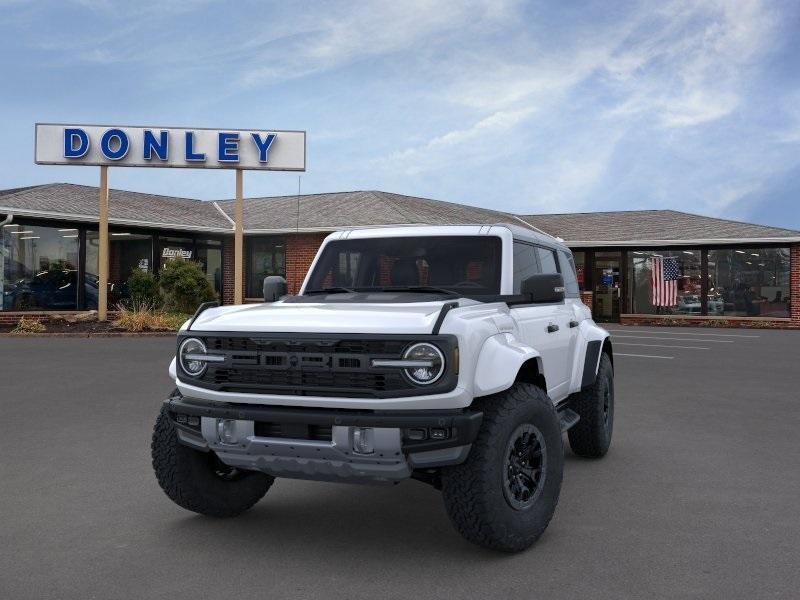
(723, 272)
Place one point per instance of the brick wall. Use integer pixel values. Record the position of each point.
(586, 298)
(708, 321)
(301, 248)
(227, 270)
(114, 264)
(13, 317)
(794, 285)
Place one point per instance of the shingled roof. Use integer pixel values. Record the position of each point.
(649, 227)
(357, 209)
(634, 227)
(328, 212)
(72, 202)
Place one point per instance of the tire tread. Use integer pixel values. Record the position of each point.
(178, 477)
(587, 438)
(472, 510)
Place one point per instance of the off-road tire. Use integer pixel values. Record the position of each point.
(591, 436)
(188, 476)
(474, 491)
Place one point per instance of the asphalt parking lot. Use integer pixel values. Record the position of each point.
(698, 497)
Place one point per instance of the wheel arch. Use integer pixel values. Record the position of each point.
(598, 343)
(532, 371)
(503, 361)
(607, 349)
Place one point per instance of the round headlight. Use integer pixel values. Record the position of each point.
(195, 368)
(433, 367)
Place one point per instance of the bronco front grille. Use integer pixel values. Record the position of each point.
(319, 365)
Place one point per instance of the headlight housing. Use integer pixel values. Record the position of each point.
(190, 346)
(424, 353)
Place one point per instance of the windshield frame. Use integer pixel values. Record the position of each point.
(493, 245)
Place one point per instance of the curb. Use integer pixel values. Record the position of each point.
(89, 334)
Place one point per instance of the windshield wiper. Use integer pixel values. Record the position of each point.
(420, 289)
(329, 290)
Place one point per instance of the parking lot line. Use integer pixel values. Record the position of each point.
(652, 337)
(661, 345)
(739, 335)
(643, 355)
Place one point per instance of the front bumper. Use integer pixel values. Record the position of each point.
(299, 449)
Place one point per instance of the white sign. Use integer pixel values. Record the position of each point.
(176, 253)
(122, 146)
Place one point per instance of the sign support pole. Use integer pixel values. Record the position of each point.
(238, 242)
(102, 267)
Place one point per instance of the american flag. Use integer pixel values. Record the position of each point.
(664, 275)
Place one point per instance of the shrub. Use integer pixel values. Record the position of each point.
(29, 325)
(143, 289)
(142, 317)
(184, 286)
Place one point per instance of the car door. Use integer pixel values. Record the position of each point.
(574, 307)
(545, 327)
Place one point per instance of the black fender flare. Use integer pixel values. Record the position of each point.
(591, 361)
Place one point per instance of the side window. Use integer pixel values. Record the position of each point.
(570, 275)
(547, 259)
(525, 264)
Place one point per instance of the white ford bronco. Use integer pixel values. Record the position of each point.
(453, 355)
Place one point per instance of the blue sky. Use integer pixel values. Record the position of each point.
(520, 106)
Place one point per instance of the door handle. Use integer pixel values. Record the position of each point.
(573, 323)
(552, 328)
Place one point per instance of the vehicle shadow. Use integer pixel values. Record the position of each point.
(337, 521)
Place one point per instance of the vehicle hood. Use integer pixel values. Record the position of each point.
(412, 317)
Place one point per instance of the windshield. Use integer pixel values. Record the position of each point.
(465, 265)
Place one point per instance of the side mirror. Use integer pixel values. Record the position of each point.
(274, 288)
(544, 287)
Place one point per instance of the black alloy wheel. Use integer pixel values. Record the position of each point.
(526, 467)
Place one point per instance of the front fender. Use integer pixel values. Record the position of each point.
(499, 361)
(595, 338)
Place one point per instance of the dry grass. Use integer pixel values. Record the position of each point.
(29, 325)
(143, 317)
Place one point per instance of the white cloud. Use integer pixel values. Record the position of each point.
(690, 65)
(572, 170)
(558, 106)
(323, 41)
(459, 145)
(669, 69)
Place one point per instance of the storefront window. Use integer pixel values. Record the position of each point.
(665, 282)
(39, 268)
(210, 259)
(127, 252)
(748, 282)
(265, 256)
(176, 247)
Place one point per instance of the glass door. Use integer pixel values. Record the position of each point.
(607, 286)
(210, 259)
